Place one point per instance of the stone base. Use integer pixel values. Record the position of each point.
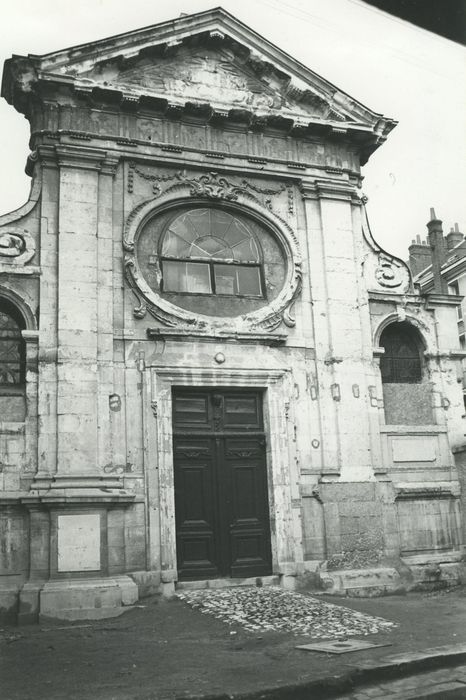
(362, 582)
(86, 599)
(148, 582)
(435, 575)
(216, 583)
(8, 604)
(416, 573)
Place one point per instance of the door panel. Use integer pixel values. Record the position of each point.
(195, 514)
(242, 411)
(222, 513)
(249, 517)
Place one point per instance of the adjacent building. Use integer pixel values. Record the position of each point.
(209, 370)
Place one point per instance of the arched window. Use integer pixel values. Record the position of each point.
(12, 350)
(211, 251)
(401, 362)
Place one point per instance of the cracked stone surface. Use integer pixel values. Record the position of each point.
(272, 609)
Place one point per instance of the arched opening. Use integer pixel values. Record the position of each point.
(12, 347)
(406, 386)
(12, 363)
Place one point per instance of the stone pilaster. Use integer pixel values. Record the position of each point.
(77, 318)
(340, 335)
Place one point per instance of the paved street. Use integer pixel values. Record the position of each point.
(274, 609)
(167, 650)
(446, 684)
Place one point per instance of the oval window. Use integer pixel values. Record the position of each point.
(211, 260)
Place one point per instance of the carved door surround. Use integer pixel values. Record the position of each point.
(276, 384)
(204, 189)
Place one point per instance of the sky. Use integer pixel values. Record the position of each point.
(392, 66)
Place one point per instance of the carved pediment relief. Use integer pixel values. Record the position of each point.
(210, 76)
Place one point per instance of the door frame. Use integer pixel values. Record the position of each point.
(277, 388)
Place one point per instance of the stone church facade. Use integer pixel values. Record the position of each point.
(209, 370)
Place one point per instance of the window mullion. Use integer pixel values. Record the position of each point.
(212, 277)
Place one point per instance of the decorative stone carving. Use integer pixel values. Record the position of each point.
(382, 272)
(389, 272)
(197, 74)
(211, 186)
(16, 247)
(11, 245)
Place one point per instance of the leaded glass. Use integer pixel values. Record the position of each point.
(401, 362)
(10, 350)
(197, 240)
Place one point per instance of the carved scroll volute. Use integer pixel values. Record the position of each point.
(11, 245)
(382, 272)
(16, 247)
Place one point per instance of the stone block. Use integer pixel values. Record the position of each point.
(86, 599)
(29, 603)
(9, 603)
(287, 582)
(362, 582)
(148, 582)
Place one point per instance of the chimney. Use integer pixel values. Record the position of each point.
(454, 237)
(419, 256)
(438, 252)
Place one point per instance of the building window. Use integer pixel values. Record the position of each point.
(210, 251)
(453, 288)
(12, 351)
(401, 362)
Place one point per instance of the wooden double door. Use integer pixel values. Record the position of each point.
(221, 493)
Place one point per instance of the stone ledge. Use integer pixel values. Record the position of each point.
(86, 599)
(362, 582)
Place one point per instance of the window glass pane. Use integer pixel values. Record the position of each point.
(174, 276)
(401, 362)
(220, 222)
(174, 245)
(10, 362)
(212, 247)
(238, 232)
(246, 251)
(249, 281)
(10, 350)
(186, 277)
(198, 278)
(8, 326)
(225, 279)
(236, 279)
(198, 221)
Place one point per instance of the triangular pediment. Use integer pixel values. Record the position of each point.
(209, 60)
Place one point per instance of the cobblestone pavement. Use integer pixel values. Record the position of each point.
(276, 610)
(438, 685)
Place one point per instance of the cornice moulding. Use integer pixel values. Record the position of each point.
(297, 85)
(185, 334)
(80, 157)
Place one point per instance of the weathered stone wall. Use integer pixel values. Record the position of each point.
(87, 449)
(408, 404)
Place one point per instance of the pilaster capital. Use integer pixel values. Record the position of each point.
(30, 336)
(330, 189)
(46, 155)
(109, 165)
(80, 157)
